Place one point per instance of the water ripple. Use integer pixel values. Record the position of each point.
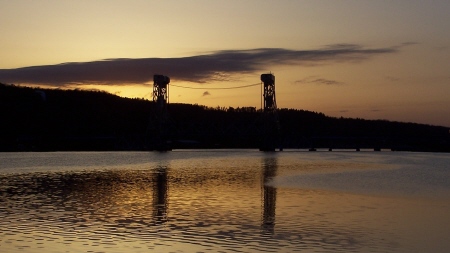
(218, 207)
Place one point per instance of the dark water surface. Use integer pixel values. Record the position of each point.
(224, 201)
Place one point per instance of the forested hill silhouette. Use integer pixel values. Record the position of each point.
(36, 119)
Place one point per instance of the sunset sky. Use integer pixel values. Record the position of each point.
(368, 59)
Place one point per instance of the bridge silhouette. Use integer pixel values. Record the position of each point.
(268, 126)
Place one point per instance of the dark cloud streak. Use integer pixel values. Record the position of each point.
(219, 65)
(315, 80)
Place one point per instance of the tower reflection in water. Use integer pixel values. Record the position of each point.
(160, 198)
(268, 194)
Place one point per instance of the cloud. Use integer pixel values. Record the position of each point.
(315, 80)
(218, 65)
(206, 93)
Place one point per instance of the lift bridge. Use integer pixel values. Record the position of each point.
(268, 126)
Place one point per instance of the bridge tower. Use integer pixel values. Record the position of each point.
(270, 102)
(160, 92)
(270, 125)
(159, 130)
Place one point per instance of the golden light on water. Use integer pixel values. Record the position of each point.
(223, 200)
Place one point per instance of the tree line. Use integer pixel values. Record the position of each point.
(36, 119)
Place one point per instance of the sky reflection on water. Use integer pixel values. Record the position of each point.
(192, 202)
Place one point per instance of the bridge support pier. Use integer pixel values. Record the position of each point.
(270, 124)
(159, 128)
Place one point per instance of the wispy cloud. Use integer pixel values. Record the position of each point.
(317, 80)
(392, 78)
(218, 65)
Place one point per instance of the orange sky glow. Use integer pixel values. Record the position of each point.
(366, 59)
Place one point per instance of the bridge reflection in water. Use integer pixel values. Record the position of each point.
(268, 194)
(160, 194)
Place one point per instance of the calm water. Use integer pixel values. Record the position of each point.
(224, 201)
